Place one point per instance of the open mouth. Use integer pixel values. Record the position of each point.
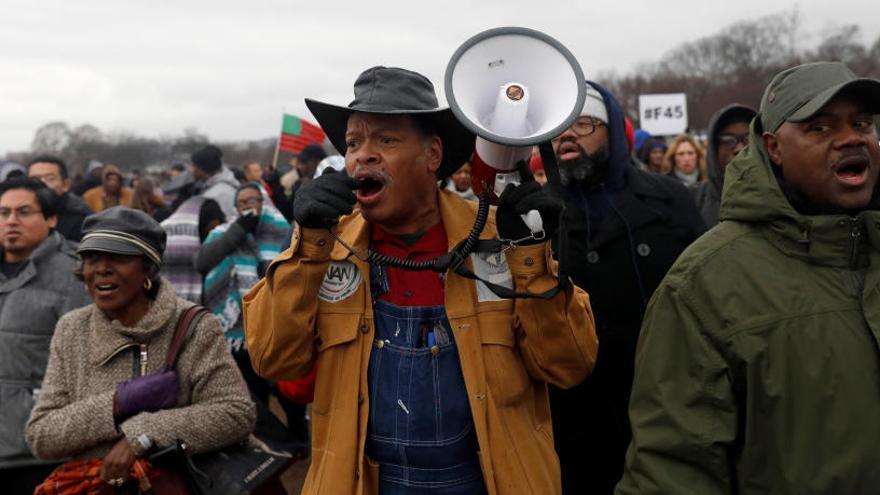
(105, 289)
(852, 171)
(568, 150)
(371, 186)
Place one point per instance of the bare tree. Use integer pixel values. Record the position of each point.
(841, 44)
(51, 138)
(128, 151)
(736, 64)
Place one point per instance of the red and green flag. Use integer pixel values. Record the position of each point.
(296, 133)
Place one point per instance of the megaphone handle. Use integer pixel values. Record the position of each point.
(533, 221)
(551, 166)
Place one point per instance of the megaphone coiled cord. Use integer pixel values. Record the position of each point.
(441, 264)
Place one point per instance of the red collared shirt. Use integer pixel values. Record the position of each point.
(406, 287)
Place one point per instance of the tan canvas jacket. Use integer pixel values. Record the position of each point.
(509, 350)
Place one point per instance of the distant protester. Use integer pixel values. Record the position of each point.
(213, 179)
(10, 169)
(91, 179)
(728, 135)
(187, 227)
(71, 209)
(110, 193)
(685, 161)
(536, 165)
(460, 183)
(134, 179)
(176, 169)
(235, 256)
(640, 136)
(233, 259)
(147, 199)
(304, 166)
(253, 172)
(652, 153)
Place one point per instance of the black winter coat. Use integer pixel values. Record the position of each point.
(619, 265)
(72, 210)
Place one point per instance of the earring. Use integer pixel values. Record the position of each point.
(148, 284)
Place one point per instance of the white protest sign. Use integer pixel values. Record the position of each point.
(663, 115)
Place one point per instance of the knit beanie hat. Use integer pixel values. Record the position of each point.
(594, 105)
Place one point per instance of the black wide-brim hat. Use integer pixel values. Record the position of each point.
(395, 91)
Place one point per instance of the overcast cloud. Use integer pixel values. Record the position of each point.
(229, 68)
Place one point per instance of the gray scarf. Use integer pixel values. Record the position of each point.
(688, 179)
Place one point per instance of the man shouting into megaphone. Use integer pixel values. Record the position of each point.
(427, 381)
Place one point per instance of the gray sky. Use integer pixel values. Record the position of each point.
(229, 68)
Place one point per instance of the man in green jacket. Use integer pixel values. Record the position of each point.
(758, 368)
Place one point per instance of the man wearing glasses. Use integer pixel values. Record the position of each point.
(626, 228)
(37, 287)
(728, 135)
(72, 210)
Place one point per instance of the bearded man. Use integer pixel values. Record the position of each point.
(626, 228)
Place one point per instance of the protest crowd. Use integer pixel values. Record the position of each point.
(701, 315)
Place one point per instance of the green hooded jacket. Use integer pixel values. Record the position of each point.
(757, 369)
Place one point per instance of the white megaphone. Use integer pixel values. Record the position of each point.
(514, 88)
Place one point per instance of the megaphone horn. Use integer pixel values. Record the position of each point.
(514, 88)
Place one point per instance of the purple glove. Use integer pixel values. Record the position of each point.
(146, 393)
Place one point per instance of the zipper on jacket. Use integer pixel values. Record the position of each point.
(115, 352)
(143, 360)
(135, 362)
(854, 236)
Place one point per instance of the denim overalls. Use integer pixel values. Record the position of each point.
(420, 428)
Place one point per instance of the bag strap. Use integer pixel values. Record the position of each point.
(187, 320)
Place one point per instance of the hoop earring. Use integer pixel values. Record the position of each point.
(148, 284)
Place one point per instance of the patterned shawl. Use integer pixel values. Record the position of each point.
(229, 281)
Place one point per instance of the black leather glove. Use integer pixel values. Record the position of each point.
(519, 200)
(248, 222)
(320, 202)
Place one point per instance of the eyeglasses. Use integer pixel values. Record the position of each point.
(249, 202)
(730, 141)
(585, 127)
(50, 177)
(22, 213)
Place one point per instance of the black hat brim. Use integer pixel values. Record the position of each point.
(458, 141)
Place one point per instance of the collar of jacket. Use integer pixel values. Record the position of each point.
(752, 195)
(630, 203)
(456, 214)
(108, 337)
(51, 245)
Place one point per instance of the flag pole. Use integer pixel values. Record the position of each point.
(278, 142)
